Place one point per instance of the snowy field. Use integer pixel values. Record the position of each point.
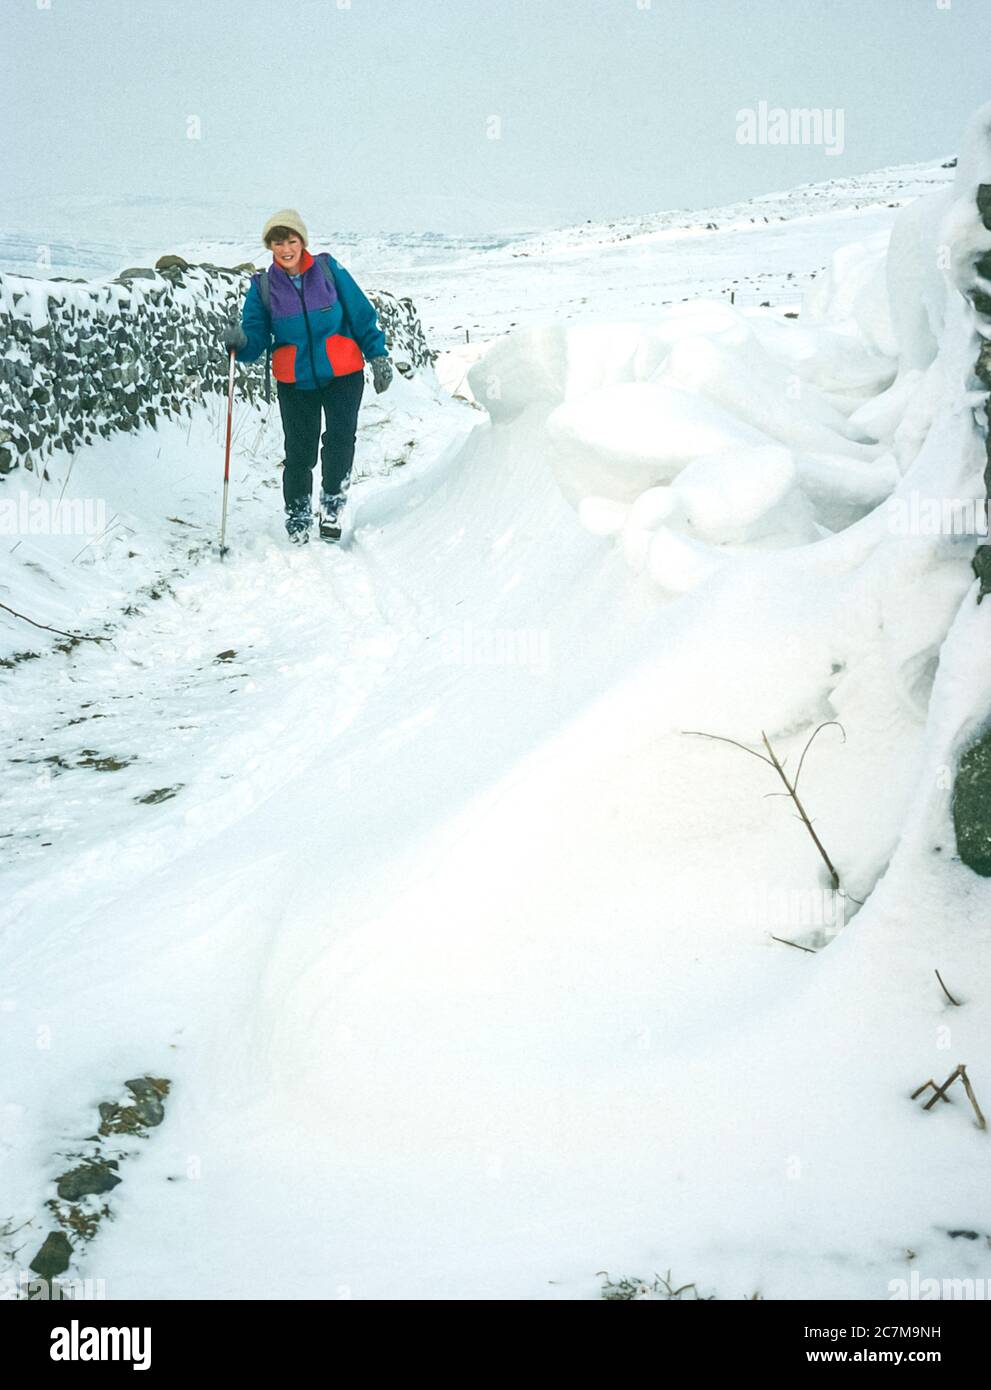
(400, 860)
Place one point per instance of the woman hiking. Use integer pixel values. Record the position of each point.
(321, 328)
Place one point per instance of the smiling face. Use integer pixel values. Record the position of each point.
(288, 252)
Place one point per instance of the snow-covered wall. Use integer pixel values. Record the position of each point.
(969, 227)
(85, 358)
(975, 283)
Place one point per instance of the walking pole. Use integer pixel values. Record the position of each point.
(227, 454)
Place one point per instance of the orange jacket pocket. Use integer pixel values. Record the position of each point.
(344, 354)
(284, 362)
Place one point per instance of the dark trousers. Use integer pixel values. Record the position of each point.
(339, 400)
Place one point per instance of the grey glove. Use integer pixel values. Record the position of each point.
(235, 336)
(381, 373)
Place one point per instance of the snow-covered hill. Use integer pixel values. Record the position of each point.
(402, 863)
(489, 284)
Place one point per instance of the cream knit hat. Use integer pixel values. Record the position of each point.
(287, 217)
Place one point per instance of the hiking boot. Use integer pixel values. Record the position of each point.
(298, 523)
(330, 516)
(330, 528)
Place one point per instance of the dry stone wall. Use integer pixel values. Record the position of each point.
(81, 359)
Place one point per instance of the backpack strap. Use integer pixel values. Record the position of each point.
(265, 294)
(264, 289)
(324, 259)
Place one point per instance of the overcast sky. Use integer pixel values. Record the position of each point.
(470, 114)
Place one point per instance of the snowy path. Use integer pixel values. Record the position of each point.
(355, 940)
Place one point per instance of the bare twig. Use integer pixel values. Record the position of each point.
(918, 1092)
(697, 733)
(946, 991)
(93, 540)
(779, 767)
(981, 1121)
(671, 1292)
(834, 876)
(65, 482)
(785, 942)
(939, 1092)
(76, 636)
(809, 744)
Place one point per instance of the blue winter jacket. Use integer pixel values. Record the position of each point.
(316, 331)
